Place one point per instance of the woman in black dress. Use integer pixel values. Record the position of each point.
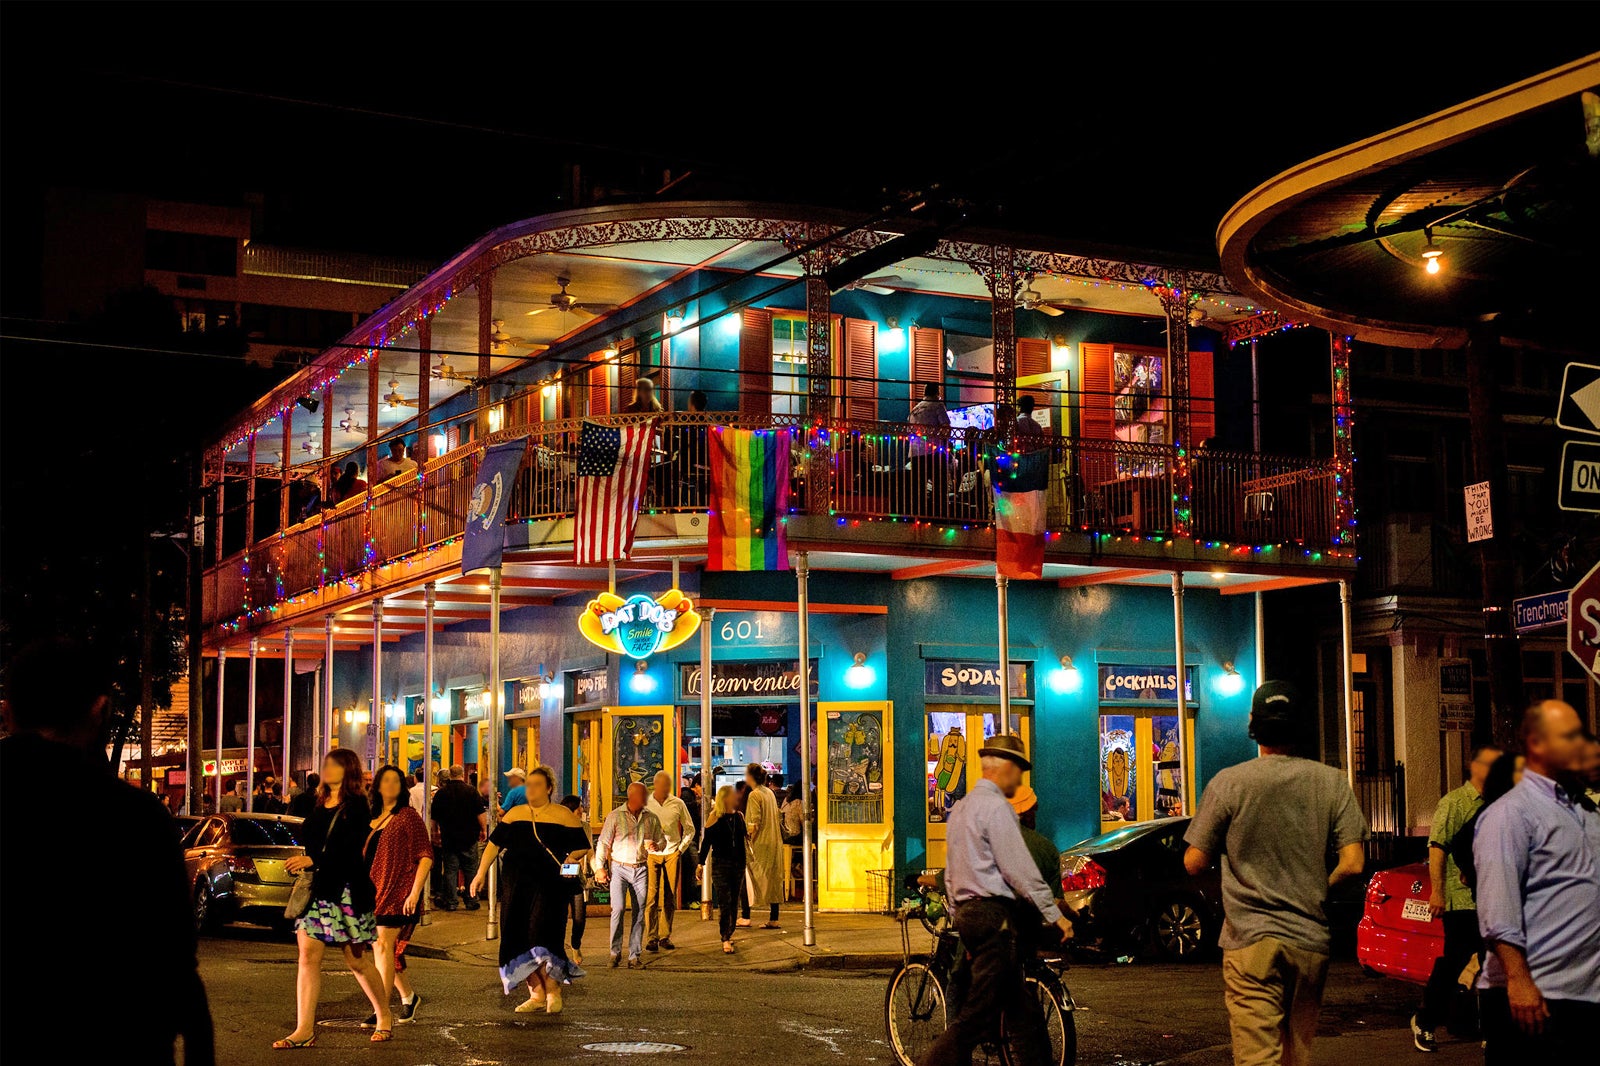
(537, 837)
(724, 841)
(342, 897)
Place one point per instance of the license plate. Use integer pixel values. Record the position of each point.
(1416, 910)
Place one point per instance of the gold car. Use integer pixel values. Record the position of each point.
(235, 866)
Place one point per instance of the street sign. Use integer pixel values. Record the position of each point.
(1480, 519)
(1539, 612)
(1580, 399)
(1579, 489)
(1583, 622)
(1455, 693)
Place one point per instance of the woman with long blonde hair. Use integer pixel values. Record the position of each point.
(724, 841)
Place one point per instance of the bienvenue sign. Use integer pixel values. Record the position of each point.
(758, 679)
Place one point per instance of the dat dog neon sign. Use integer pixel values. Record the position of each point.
(638, 626)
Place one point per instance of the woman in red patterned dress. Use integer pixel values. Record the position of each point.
(399, 856)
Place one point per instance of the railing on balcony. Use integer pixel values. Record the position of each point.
(384, 272)
(866, 470)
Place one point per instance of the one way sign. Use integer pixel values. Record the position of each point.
(1580, 399)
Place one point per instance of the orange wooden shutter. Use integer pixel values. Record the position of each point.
(1033, 357)
(572, 388)
(927, 360)
(1095, 419)
(1202, 399)
(627, 374)
(861, 369)
(755, 362)
(599, 382)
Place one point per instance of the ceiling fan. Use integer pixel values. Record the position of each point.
(564, 302)
(349, 424)
(501, 342)
(445, 372)
(1030, 299)
(394, 399)
(878, 285)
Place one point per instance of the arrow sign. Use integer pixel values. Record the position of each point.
(1580, 477)
(1580, 398)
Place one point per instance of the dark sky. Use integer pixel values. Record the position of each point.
(414, 128)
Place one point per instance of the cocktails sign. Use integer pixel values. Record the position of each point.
(639, 626)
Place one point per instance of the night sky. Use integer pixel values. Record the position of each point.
(412, 129)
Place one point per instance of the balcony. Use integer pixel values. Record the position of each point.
(895, 488)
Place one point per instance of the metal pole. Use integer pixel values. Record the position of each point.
(316, 715)
(1349, 688)
(1000, 584)
(222, 662)
(1255, 400)
(1185, 753)
(674, 571)
(250, 731)
(708, 783)
(1261, 640)
(194, 565)
(802, 573)
(146, 680)
(330, 737)
(285, 770)
(377, 686)
(491, 771)
(428, 598)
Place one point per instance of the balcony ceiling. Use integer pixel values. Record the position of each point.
(1504, 183)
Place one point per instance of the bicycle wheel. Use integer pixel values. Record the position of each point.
(913, 1012)
(1060, 1031)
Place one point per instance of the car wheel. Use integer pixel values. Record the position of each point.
(1180, 930)
(205, 909)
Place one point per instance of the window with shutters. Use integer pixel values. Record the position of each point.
(775, 362)
(790, 364)
(861, 369)
(927, 361)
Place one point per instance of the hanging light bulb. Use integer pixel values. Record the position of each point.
(1432, 254)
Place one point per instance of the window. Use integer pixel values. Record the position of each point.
(209, 835)
(191, 253)
(252, 832)
(790, 364)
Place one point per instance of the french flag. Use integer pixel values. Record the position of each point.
(1019, 488)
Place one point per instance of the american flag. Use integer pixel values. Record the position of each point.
(612, 464)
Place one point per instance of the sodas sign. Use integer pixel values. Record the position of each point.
(1583, 622)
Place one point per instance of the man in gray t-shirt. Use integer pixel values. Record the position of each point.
(1274, 820)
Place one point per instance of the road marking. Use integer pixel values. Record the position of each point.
(821, 1036)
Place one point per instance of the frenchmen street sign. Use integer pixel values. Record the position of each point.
(1530, 613)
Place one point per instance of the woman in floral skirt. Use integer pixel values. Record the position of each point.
(342, 897)
(537, 837)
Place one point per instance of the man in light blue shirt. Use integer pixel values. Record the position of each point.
(1537, 851)
(999, 899)
(518, 794)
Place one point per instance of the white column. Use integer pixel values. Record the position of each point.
(376, 716)
(222, 662)
(250, 732)
(802, 573)
(1185, 749)
(330, 736)
(1000, 585)
(1348, 674)
(1261, 638)
(284, 769)
(428, 598)
(489, 765)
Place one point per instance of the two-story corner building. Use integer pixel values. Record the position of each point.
(1161, 521)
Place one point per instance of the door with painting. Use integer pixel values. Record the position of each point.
(1144, 775)
(585, 728)
(952, 737)
(855, 805)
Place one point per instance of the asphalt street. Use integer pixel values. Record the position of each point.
(1129, 1015)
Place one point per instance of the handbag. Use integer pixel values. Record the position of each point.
(300, 894)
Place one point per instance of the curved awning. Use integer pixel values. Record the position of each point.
(1506, 188)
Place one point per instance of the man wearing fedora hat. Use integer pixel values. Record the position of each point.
(998, 898)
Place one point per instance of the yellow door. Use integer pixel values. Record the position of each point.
(855, 805)
(586, 763)
(635, 743)
(1143, 775)
(953, 735)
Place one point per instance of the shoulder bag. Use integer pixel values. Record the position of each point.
(300, 894)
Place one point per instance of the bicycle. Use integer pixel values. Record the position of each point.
(916, 1003)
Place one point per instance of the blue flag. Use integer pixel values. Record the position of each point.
(491, 498)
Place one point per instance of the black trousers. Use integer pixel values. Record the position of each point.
(726, 884)
(580, 918)
(1461, 942)
(990, 930)
(1568, 1031)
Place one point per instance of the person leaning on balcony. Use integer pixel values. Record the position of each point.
(350, 483)
(134, 943)
(397, 462)
(927, 467)
(644, 400)
(690, 466)
(1451, 900)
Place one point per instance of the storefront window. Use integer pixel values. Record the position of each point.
(1118, 770)
(740, 735)
(1166, 753)
(1141, 768)
(855, 767)
(947, 762)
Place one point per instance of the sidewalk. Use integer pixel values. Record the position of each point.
(843, 942)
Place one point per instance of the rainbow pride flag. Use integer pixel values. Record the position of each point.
(749, 497)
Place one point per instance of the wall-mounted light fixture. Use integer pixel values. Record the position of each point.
(892, 338)
(309, 403)
(641, 682)
(674, 320)
(859, 674)
(497, 418)
(547, 688)
(440, 705)
(552, 390)
(439, 444)
(394, 710)
(1230, 683)
(1066, 677)
(732, 324)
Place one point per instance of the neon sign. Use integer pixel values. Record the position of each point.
(639, 626)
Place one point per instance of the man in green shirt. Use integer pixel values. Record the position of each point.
(1451, 900)
(1045, 855)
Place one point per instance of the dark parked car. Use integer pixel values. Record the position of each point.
(1132, 894)
(235, 865)
(182, 823)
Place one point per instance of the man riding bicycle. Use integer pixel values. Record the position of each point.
(998, 899)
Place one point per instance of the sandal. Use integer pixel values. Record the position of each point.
(289, 1042)
(770, 925)
(743, 923)
(727, 947)
(381, 1035)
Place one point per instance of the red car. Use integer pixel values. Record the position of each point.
(1397, 936)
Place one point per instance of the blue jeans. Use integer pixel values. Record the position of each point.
(628, 880)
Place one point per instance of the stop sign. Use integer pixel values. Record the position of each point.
(1583, 622)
